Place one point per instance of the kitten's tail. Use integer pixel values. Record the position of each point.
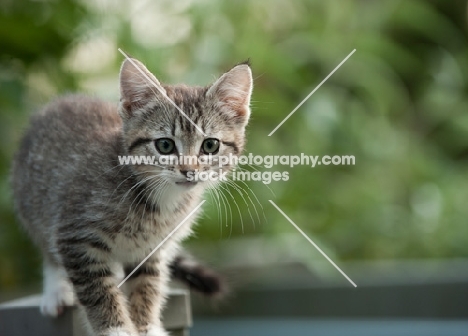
(197, 276)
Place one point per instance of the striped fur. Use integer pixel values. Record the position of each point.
(93, 218)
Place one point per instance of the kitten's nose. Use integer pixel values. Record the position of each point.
(186, 172)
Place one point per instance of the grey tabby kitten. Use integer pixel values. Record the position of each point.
(93, 218)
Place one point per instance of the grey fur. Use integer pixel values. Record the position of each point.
(92, 217)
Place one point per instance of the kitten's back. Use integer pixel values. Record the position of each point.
(69, 136)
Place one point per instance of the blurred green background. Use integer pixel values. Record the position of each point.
(399, 105)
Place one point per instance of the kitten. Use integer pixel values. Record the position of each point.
(93, 217)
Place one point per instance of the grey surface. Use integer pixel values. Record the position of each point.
(423, 301)
(264, 327)
(409, 290)
(180, 332)
(27, 321)
(22, 318)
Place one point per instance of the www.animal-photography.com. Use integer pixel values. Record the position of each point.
(234, 168)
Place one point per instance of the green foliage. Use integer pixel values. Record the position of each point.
(398, 105)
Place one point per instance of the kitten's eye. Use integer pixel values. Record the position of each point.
(165, 146)
(210, 146)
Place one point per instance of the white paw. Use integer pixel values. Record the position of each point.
(54, 302)
(58, 293)
(155, 331)
(118, 332)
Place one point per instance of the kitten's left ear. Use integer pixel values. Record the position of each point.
(232, 92)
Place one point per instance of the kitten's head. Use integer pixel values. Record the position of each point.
(166, 122)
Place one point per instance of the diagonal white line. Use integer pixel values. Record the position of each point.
(161, 243)
(315, 245)
(162, 92)
(310, 94)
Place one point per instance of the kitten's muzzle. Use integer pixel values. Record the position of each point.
(188, 172)
(187, 184)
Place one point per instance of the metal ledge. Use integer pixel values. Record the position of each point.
(22, 317)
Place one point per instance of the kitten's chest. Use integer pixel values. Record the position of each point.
(135, 246)
(140, 237)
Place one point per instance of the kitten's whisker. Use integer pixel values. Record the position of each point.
(241, 191)
(221, 224)
(256, 198)
(210, 191)
(122, 166)
(226, 205)
(238, 209)
(222, 197)
(226, 202)
(133, 174)
(159, 187)
(214, 192)
(236, 187)
(266, 185)
(134, 186)
(130, 210)
(137, 196)
(162, 189)
(154, 185)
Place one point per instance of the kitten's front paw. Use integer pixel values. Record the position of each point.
(118, 332)
(154, 331)
(54, 301)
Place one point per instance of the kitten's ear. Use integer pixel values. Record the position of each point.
(138, 86)
(232, 92)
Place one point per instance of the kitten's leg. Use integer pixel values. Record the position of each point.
(147, 289)
(96, 290)
(58, 291)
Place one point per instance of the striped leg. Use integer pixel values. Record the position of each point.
(96, 289)
(146, 296)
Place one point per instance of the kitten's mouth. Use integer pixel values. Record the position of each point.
(187, 184)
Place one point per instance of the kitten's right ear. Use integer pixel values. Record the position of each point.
(232, 92)
(138, 86)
